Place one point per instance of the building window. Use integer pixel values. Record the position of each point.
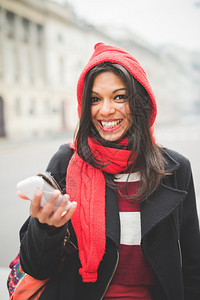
(26, 30)
(16, 66)
(60, 38)
(39, 35)
(55, 109)
(32, 107)
(10, 17)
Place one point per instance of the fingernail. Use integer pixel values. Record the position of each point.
(56, 193)
(38, 193)
(66, 197)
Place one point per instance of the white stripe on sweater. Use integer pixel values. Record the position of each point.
(123, 177)
(130, 228)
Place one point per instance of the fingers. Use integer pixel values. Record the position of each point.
(61, 216)
(48, 209)
(35, 207)
(60, 211)
(50, 214)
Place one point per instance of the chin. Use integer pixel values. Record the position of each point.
(112, 137)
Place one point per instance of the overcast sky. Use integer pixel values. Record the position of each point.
(158, 21)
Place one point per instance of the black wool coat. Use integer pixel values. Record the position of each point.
(170, 240)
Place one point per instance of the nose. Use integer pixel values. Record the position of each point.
(107, 108)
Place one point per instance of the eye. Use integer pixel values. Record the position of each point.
(94, 99)
(121, 97)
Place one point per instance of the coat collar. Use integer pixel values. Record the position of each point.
(159, 206)
(156, 208)
(163, 201)
(171, 164)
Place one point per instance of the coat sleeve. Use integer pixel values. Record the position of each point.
(190, 244)
(42, 248)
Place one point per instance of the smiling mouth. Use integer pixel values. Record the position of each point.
(110, 124)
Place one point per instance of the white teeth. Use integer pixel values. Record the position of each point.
(110, 124)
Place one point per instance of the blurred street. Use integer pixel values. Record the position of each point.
(20, 160)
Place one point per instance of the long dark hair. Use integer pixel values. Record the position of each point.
(149, 160)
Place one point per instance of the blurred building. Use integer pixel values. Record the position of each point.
(43, 47)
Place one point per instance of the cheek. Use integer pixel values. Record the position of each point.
(125, 110)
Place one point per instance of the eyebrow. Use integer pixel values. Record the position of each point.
(117, 90)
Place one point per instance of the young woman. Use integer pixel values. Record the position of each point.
(132, 231)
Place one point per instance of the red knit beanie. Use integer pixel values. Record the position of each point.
(103, 53)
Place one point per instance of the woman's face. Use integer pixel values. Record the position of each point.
(110, 112)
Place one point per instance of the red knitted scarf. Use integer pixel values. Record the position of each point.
(86, 185)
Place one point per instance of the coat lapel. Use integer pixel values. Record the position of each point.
(159, 206)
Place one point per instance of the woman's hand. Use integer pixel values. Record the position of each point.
(45, 214)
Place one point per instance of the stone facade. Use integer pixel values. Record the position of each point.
(42, 50)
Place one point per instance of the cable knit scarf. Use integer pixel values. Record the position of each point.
(86, 185)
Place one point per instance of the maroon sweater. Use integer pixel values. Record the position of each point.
(133, 269)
